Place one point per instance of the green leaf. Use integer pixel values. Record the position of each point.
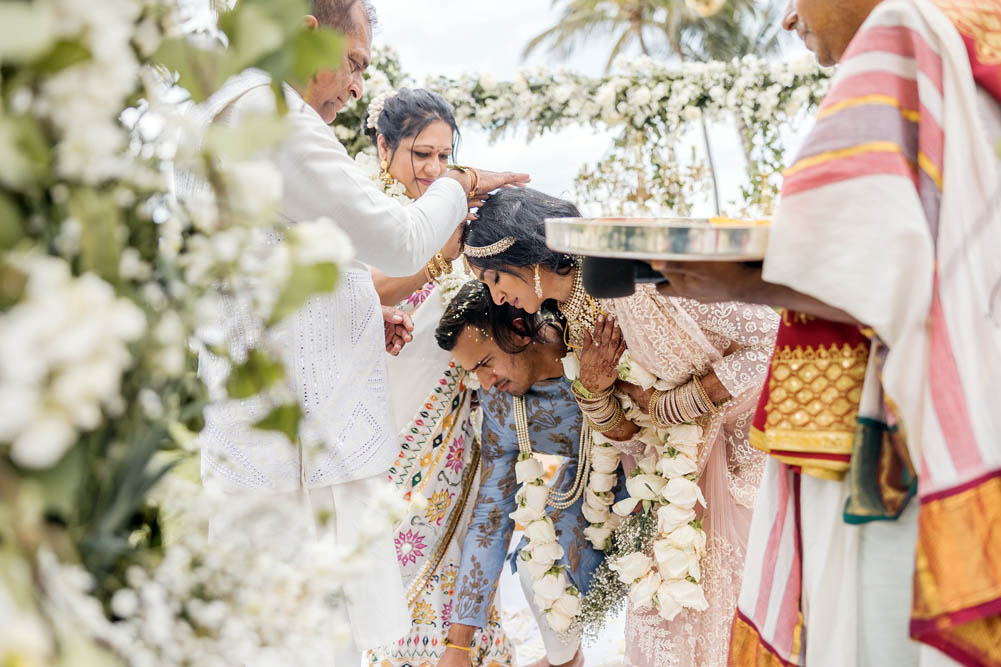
(284, 419)
(26, 31)
(315, 50)
(65, 53)
(304, 282)
(61, 483)
(253, 376)
(25, 153)
(12, 283)
(11, 222)
(200, 71)
(100, 240)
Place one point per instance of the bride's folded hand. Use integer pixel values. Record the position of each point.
(600, 354)
(639, 396)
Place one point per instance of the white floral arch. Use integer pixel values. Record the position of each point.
(652, 105)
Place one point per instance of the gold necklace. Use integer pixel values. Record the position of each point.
(557, 499)
(581, 311)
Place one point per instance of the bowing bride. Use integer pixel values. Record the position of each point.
(437, 468)
(671, 382)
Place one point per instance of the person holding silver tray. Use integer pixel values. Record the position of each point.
(673, 384)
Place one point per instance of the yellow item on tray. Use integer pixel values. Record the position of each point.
(742, 223)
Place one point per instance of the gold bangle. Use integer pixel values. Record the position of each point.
(476, 183)
(608, 426)
(713, 408)
(431, 268)
(651, 408)
(443, 264)
(467, 649)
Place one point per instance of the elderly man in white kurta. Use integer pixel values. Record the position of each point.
(334, 347)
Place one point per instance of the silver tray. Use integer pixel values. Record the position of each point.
(692, 239)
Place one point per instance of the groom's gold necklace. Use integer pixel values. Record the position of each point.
(556, 499)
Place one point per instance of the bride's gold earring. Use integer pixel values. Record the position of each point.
(538, 282)
(384, 173)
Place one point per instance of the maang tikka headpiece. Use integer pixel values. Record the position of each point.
(490, 250)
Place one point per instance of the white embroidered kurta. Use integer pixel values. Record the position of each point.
(333, 349)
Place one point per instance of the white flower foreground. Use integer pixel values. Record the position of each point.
(105, 280)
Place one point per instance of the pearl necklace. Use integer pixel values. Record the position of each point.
(557, 499)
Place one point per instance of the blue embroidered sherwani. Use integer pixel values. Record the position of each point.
(554, 421)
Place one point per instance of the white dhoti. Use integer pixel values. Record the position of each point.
(857, 584)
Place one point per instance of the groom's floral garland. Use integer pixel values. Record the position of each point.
(664, 485)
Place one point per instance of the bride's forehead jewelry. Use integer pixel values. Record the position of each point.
(490, 250)
(375, 108)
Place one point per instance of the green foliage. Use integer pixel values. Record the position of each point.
(254, 375)
(259, 33)
(284, 419)
(304, 283)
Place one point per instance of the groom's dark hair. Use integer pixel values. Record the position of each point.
(473, 307)
(336, 14)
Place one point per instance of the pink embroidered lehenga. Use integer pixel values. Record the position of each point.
(677, 339)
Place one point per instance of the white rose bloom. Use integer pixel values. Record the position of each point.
(684, 434)
(633, 372)
(550, 587)
(541, 531)
(695, 565)
(671, 561)
(631, 567)
(672, 517)
(526, 515)
(598, 536)
(534, 568)
(558, 621)
(595, 514)
(648, 464)
(685, 537)
(528, 470)
(547, 552)
(683, 492)
(595, 499)
(641, 592)
(645, 487)
(567, 604)
(676, 466)
(625, 506)
(535, 496)
(571, 366)
(602, 482)
(685, 593)
(667, 606)
(605, 459)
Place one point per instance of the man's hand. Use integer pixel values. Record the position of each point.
(599, 357)
(710, 282)
(399, 329)
(639, 396)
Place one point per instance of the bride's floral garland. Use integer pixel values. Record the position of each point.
(664, 484)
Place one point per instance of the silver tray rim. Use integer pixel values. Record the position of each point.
(758, 233)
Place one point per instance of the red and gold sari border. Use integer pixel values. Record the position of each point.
(957, 578)
(749, 649)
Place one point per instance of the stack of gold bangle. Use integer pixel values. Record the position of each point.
(602, 409)
(437, 267)
(474, 177)
(680, 405)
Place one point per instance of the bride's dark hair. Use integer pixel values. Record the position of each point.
(407, 113)
(519, 213)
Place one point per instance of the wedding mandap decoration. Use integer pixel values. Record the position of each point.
(651, 107)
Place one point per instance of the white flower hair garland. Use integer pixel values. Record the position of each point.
(376, 107)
